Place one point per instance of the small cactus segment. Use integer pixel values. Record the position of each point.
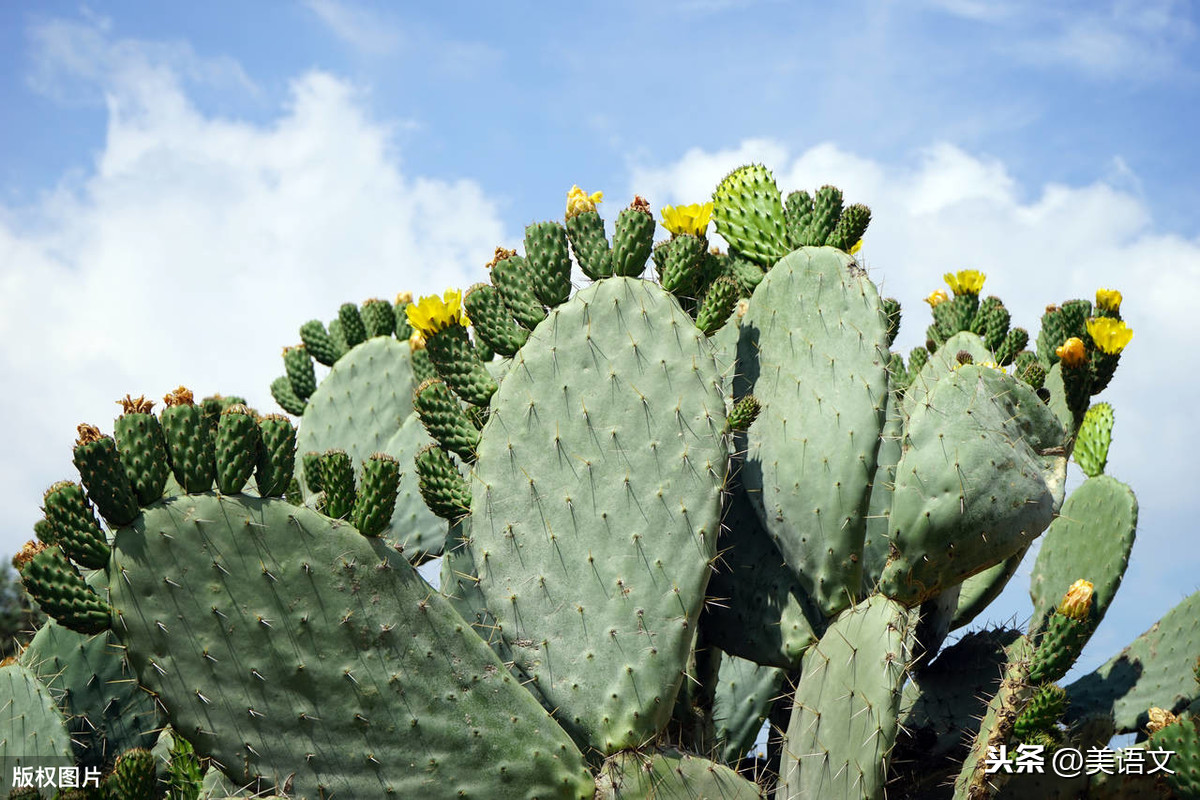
(850, 227)
(748, 212)
(143, 449)
(1157, 669)
(276, 456)
(378, 317)
(815, 330)
(745, 694)
(959, 510)
(337, 478)
(492, 320)
(300, 371)
(376, 499)
(827, 209)
(1093, 439)
(719, 300)
(797, 214)
(585, 231)
(319, 344)
(249, 618)
(679, 262)
(1043, 713)
(75, 527)
(352, 328)
(1182, 739)
(549, 262)
(33, 731)
(442, 486)
(56, 585)
(617, 382)
(238, 443)
(281, 391)
(633, 238)
(133, 776)
(670, 775)
(419, 532)
(844, 716)
(512, 279)
(459, 365)
(445, 420)
(104, 475)
(189, 442)
(743, 413)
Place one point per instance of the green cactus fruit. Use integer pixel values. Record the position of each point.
(891, 310)
(812, 451)
(403, 329)
(1005, 477)
(580, 610)
(1181, 738)
(797, 214)
(311, 465)
(45, 532)
(979, 590)
(337, 478)
(422, 366)
(827, 210)
(251, 620)
(1043, 713)
(492, 320)
(633, 238)
(338, 337)
(1060, 323)
(670, 775)
(215, 405)
(445, 420)
(376, 500)
(850, 227)
(319, 343)
(104, 476)
(918, 357)
(75, 527)
(143, 449)
(747, 274)
(351, 326)
(995, 326)
(585, 232)
(1093, 440)
(133, 776)
(844, 715)
(743, 413)
(1013, 344)
(237, 448)
(1059, 640)
(59, 589)
(276, 455)
(300, 372)
(459, 365)
(281, 391)
(189, 442)
(717, 305)
(679, 272)
(745, 693)
(378, 317)
(33, 731)
(549, 262)
(748, 212)
(1028, 369)
(442, 486)
(511, 275)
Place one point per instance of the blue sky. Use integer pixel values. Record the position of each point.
(182, 185)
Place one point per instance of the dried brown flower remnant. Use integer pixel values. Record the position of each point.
(180, 397)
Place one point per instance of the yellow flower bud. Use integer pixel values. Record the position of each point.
(1077, 602)
(1072, 352)
(854, 248)
(966, 281)
(579, 201)
(1109, 300)
(416, 341)
(691, 219)
(937, 298)
(403, 298)
(1110, 335)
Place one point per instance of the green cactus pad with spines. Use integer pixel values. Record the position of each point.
(717, 305)
(585, 232)
(879, 504)
(745, 693)
(1157, 669)
(670, 775)
(237, 447)
(814, 333)
(33, 731)
(1182, 739)
(444, 419)
(940, 363)
(300, 373)
(827, 210)
(143, 449)
(337, 481)
(1093, 440)
(189, 443)
(442, 486)
(459, 365)
(1091, 539)
(281, 391)
(350, 325)
(633, 238)
(492, 320)
(378, 317)
(276, 455)
(681, 257)
(850, 227)
(76, 529)
(957, 510)
(844, 714)
(797, 214)
(319, 343)
(549, 262)
(757, 609)
(512, 279)
(61, 592)
(622, 385)
(1014, 342)
(288, 647)
(979, 590)
(376, 501)
(748, 212)
(104, 476)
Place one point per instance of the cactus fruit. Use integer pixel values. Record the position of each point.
(748, 212)
(1093, 440)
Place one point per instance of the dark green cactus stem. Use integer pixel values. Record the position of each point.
(376, 494)
(352, 327)
(458, 364)
(339, 338)
(827, 210)
(850, 227)
(748, 212)
(104, 476)
(337, 478)
(442, 487)
(281, 390)
(679, 263)
(400, 311)
(1042, 715)
(422, 366)
(237, 446)
(585, 231)
(512, 279)
(378, 317)
(1013, 344)
(189, 442)
(300, 372)
(717, 305)
(133, 777)
(744, 412)
(75, 527)
(633, 239)
(56, 585)
(276, 455)
(1058, 644)
(311, 464)
(45, 532)
(797, 214)
(143, 449)
(492, 320)
(549, 262)
(319, 343)
(445, 420)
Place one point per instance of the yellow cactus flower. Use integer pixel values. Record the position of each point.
(936, 298)
(579, 201)
(403, 298)
(1077, 602)
(854, 248)
(691, 219)
(1072, 352)
(432, 314)
(1109, 300)
(965, 281)
(1110, 335)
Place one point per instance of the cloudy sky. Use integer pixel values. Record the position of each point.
(181, 186)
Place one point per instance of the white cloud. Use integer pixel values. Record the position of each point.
(195, 248)
(358, 27)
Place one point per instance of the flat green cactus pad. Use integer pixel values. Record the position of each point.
(33, 731)
(670, 775)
